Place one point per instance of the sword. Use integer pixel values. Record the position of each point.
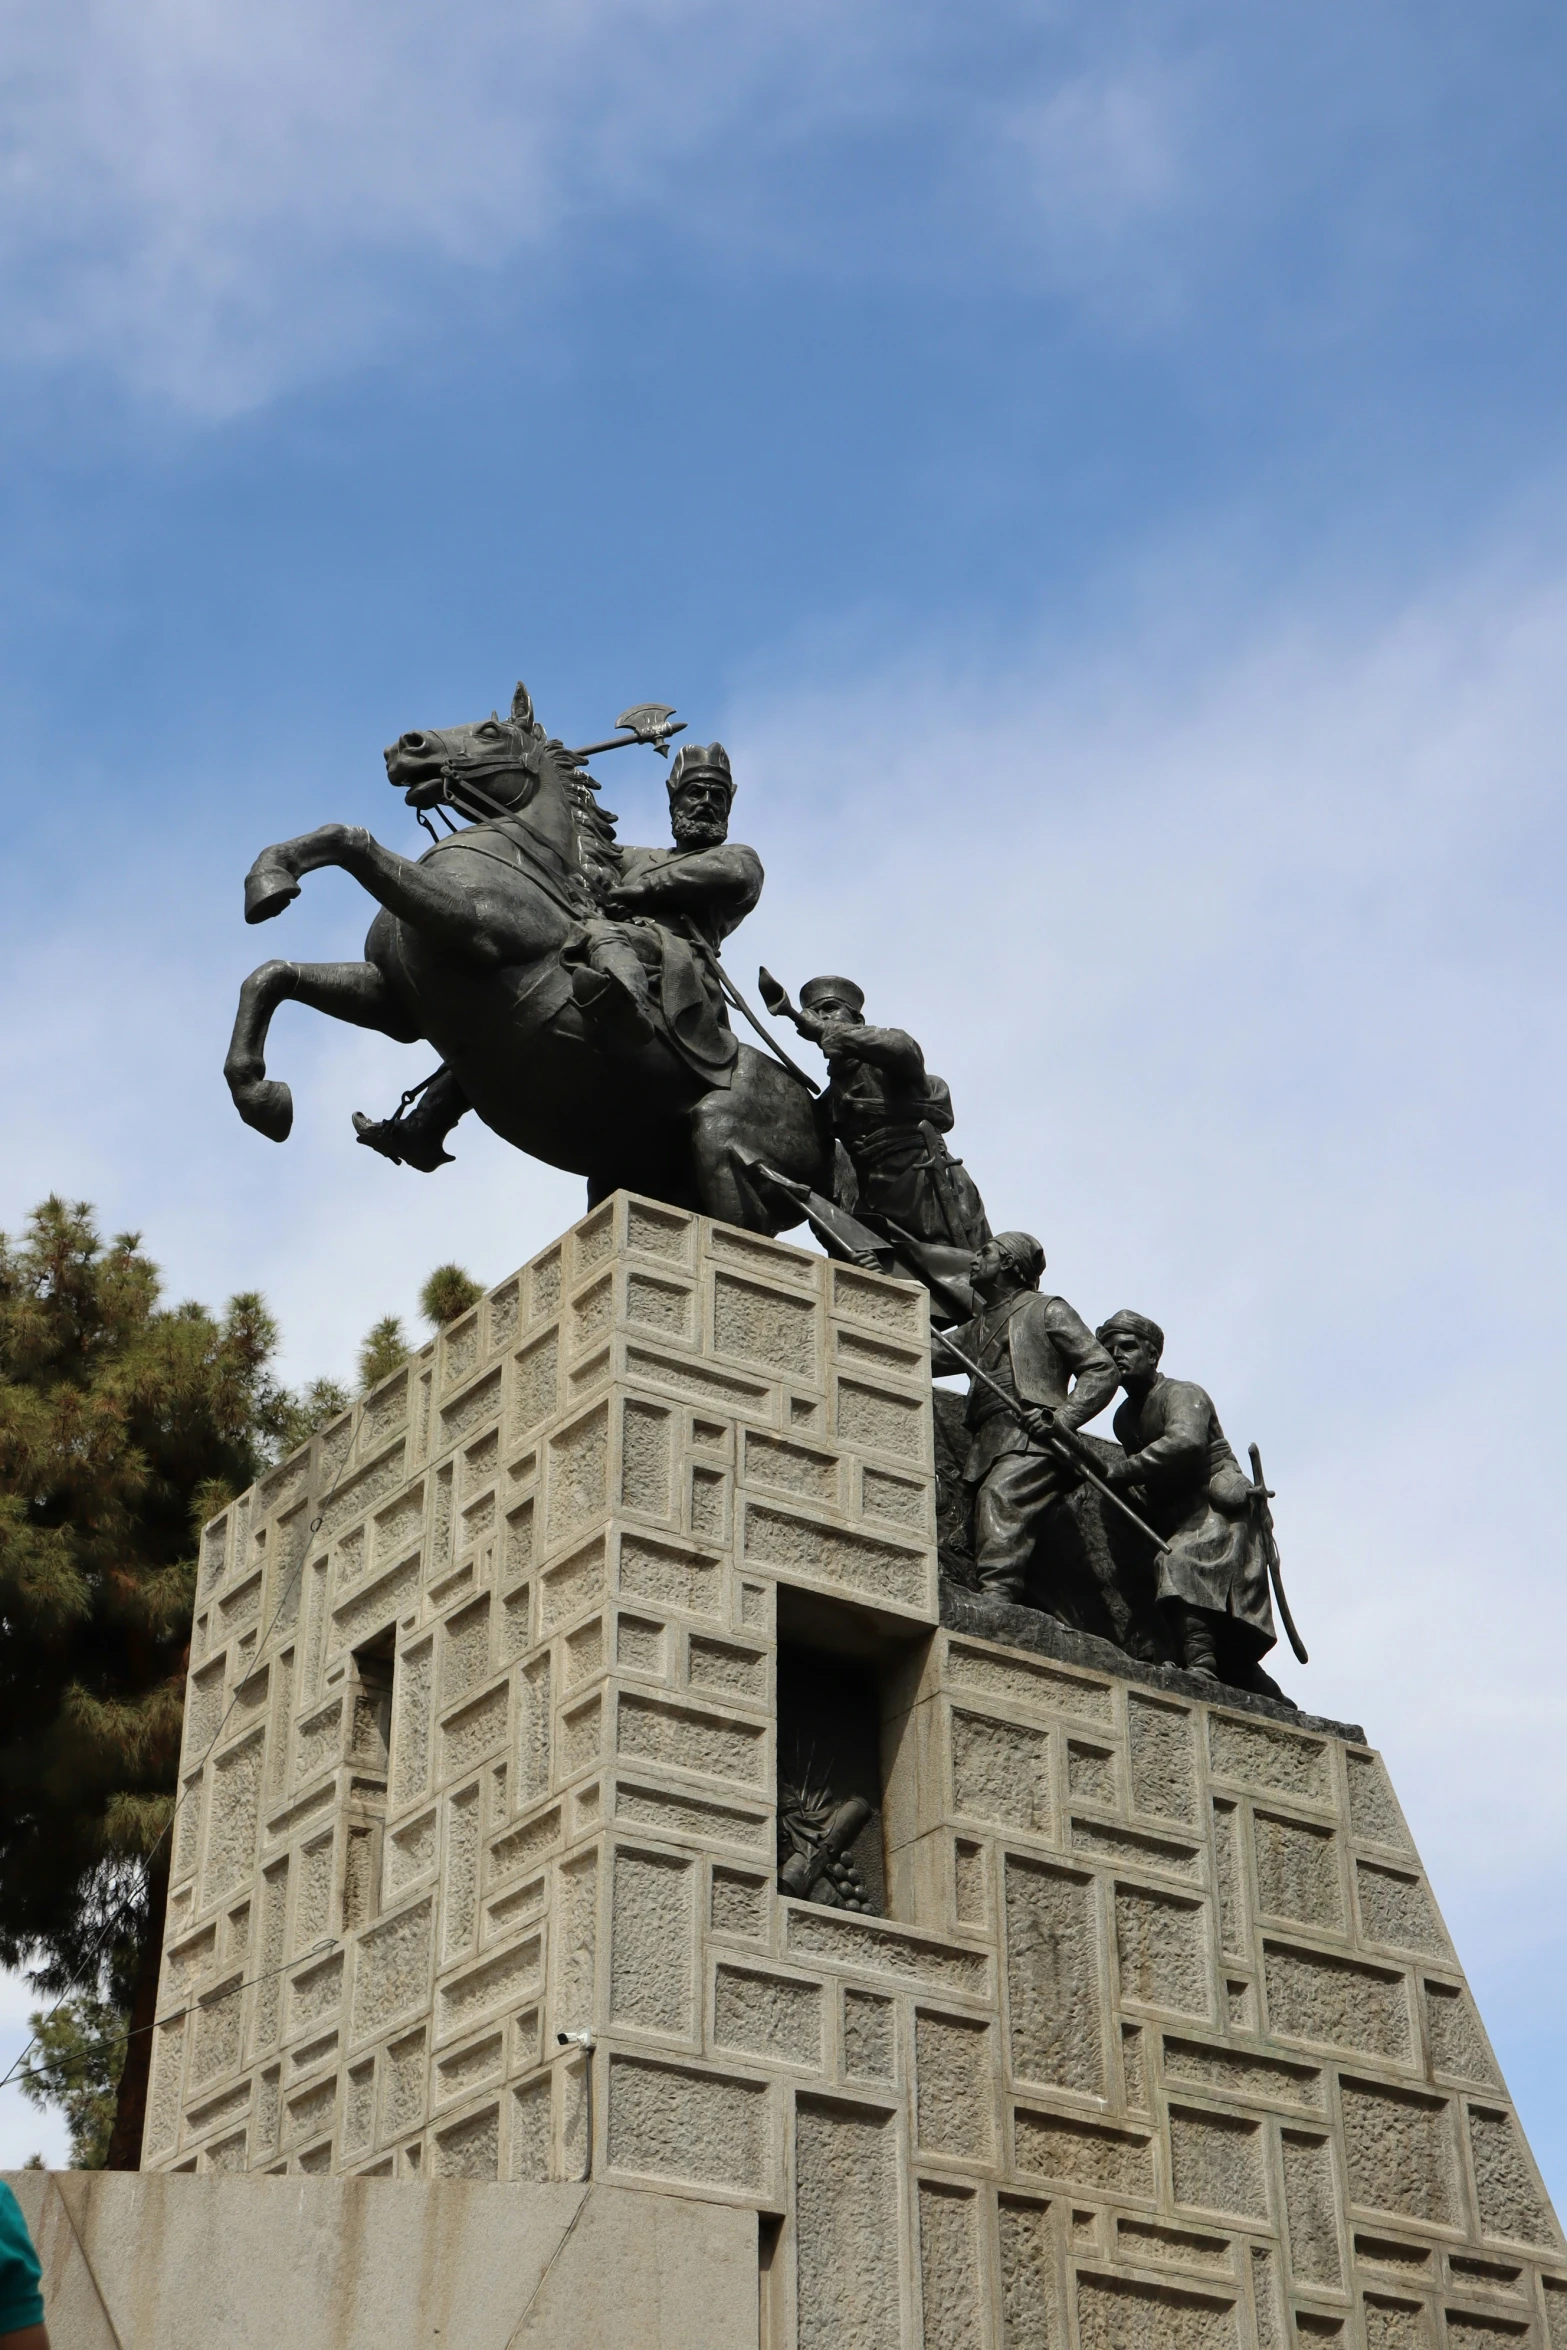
(1261, 1496)
(1061, 1443)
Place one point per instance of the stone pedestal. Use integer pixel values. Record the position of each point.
(1161, 2040)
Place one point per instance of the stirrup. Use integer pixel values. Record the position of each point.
(399, 1140)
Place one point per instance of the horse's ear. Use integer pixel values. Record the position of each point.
(522, 705)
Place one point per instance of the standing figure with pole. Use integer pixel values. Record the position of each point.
(901, 1203)
(1036, 1375)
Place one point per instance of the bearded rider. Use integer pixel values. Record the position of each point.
(645, 965)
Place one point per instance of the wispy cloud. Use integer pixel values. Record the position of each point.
(206, 198)
(210, 202)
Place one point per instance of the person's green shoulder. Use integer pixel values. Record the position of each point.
(21, 2302)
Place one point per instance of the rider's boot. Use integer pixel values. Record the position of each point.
(613, 991)
(416, 1137)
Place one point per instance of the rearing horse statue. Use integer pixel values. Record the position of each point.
(479, 950)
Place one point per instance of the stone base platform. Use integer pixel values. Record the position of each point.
(146, 2261)
(1148, 2036)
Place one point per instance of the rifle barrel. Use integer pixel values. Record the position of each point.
(1107, 1491)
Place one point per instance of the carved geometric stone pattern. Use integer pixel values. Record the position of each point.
(1162, 2042)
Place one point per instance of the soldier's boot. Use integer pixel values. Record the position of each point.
(1199, 1651)
(1004, 1585)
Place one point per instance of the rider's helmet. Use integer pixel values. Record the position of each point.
(696, 759)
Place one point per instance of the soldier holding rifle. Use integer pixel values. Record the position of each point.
(1041, 1374)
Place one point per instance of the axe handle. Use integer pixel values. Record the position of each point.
(623, 742)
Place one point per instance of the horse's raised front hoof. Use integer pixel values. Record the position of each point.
(268, 889)
(266, 1104)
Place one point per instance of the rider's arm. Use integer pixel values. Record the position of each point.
(728, 879)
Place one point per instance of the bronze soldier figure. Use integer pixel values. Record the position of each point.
(641, 961)
(1178, 1470)
(890, 1115)
(1032, 1346)
(900, 1201)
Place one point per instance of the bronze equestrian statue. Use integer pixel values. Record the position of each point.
(571, 987)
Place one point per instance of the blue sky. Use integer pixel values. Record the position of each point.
(1102, 471)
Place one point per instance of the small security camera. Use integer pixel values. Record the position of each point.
(574, 2039)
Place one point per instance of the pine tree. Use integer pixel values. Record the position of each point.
(75, 2063)
(448, 1292)
(123, 1425)
(385, 1350)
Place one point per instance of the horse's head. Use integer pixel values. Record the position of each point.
(501, 766)
(495, 764)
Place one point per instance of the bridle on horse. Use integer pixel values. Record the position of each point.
(456, 781)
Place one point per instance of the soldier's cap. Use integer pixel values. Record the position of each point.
(1024, 1251)
(1139, 1326)
(828, 988)
(700, 759)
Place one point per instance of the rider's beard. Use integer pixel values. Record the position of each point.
(698, 828)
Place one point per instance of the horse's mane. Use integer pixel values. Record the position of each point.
(595, 827)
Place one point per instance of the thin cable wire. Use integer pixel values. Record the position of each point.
(139, 2031)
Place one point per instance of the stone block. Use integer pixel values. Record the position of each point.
(671, 2121)
(1000, 1771)
(1163, 1774)
(1162, 1949)
(1400, 2152)
(949, 2253)
(848, 2269)
(1053, 1977)
(1085, 2153)
(1317, 1995)
(653, 1942)
(955, 2073)
(1217, 2163)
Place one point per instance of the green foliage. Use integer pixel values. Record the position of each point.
(123, 1423)
(448, 1292)
(75, 2062)
(384, 1351)
(299, 1413)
